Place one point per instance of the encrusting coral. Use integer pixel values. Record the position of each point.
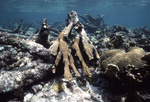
(61, 48)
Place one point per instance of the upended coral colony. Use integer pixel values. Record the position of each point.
(81, 62)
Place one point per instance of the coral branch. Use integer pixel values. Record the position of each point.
(88, 46)
(84, 19)
(93, 24)
(55, 45)
(12, 80)
(78, 53)
(64, 52)
(16, 30)
(28, 45)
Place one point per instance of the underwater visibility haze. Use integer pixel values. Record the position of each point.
(128, 13)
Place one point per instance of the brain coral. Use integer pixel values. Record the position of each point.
(123, 59)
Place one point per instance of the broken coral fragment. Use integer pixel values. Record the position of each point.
(44, 33)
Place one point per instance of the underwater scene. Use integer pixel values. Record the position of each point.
(74, 51)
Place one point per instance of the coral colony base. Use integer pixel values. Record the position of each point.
(84, 61)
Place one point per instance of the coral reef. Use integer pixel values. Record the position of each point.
(36, 60)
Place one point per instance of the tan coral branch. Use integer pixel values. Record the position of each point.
(73, 66)
(78, 53)
(54, 47)
(88, 46)
(64, 52)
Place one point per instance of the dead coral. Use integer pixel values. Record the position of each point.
(16, 30)
(43, 34)
(19, 69)
(27, 45)
(12, 80)
(93, 24)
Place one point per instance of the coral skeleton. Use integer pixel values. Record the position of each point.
(44, 33)
(16, 30)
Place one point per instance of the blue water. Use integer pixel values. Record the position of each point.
(128, 13)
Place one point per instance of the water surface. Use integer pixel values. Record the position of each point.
(129, 13)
